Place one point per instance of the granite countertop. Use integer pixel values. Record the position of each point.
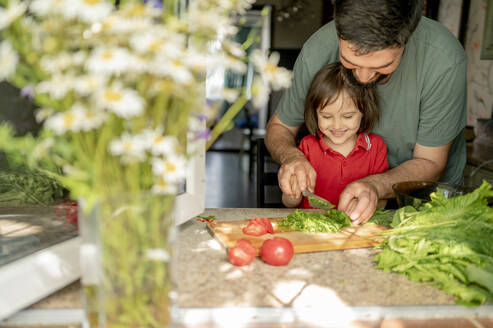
(343, 280)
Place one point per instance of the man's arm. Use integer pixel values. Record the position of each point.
(427, 164)
(280, 141)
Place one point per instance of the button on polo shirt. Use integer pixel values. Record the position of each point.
(335, 171)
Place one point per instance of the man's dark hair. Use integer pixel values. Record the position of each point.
(373, 25)
(327, 85)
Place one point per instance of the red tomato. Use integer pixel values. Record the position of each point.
(277, 251)
(258, 227)
(268, 225)
(72, 213)
(254, 229)
(61, 207)
(242, 253)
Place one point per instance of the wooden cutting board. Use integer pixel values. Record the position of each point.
(228, 232)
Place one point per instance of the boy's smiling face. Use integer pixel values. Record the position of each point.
(339, 121)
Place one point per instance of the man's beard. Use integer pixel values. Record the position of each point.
(354, 81)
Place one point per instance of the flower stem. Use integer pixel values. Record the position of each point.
(226, 119)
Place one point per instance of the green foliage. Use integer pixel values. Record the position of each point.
(331, 221)
(446, 242)
(381, 217)
(23, 186)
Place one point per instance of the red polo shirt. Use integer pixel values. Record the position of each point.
(335, 172)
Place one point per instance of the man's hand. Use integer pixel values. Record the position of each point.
(359, 201)
(295, 175)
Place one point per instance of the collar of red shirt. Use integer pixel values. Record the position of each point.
(363, 142)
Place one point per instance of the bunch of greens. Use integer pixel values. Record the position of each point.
(331, 221)
(24, 186)
(381, 217)
(446, 242)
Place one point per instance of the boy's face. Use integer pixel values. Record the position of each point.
(373, 67)
(339, 121)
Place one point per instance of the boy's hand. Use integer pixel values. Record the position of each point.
(359, 201)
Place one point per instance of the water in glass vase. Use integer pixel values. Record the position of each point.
(126, 257)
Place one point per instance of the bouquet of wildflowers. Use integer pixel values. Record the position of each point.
(121, 96)
(121, 90)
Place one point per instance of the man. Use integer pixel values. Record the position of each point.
(419, 69)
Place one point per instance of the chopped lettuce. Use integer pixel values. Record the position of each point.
(330, 221)
(447, 242)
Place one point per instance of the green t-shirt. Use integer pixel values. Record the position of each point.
(423, 102)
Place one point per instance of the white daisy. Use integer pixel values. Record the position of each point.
(202, 20)
(149, 41)
(277, 77)
(171, 168)
(138, 10)
(124, 103)
(241, 6)
(163, 145)
(61, 62)
(129, 147)
(260, 92)
(163, 187)
(91, 11)
(88, 84)
(235, 65)
(120, 25)
(61, 123)
(8, 60)
(90, 119)
(43, 113)
(234, 48)
(109, 61)
(230, 95)
(57, 87)
(173, 68)
(47, 7)
(14, 11)
(195, 61)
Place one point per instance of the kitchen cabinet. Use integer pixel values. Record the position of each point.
(322, 289)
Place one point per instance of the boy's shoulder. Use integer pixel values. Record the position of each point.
(376, 139)
(309, 140)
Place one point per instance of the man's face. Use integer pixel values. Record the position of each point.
(373, 67)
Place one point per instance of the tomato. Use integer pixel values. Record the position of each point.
(72, 213)
(254, 229)
(277, 251)
(242, 253)
(258, 227)
(268, 225)
(61, 207)
(69, 209)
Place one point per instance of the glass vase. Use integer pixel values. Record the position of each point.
(126, 257)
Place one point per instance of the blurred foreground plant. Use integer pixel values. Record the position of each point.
(121, 93)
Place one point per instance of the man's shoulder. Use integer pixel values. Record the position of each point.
(322, 47)
(432, 39)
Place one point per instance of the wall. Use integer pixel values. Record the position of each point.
(291, 33)
(479, 72)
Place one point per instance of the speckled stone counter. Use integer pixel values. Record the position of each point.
(206, 278)
(312, 288)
